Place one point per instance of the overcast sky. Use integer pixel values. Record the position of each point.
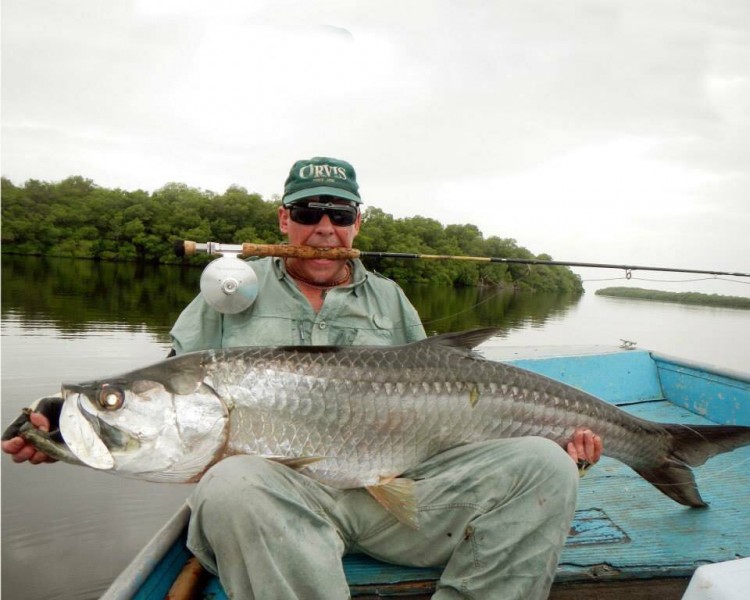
(592, 130)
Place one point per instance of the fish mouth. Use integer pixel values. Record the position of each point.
(89, 437)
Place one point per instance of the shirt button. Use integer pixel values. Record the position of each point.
(322, 325)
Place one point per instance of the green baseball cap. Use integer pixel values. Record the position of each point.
(321, 176)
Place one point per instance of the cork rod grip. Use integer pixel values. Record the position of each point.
(298, 251)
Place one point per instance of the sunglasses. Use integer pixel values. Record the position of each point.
(341, 215)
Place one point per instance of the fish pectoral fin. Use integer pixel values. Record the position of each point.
(398, 496)
(296, 462)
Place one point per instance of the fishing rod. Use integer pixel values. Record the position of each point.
(189, 248)
(230, 285)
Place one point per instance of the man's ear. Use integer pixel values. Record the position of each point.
(283, 220)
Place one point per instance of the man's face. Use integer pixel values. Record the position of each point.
(323, 234)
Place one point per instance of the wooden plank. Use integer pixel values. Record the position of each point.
(651, 589)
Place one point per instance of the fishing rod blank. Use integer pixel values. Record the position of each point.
(189, 248)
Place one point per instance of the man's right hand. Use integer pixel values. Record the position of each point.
(46, 415)
(21, 451)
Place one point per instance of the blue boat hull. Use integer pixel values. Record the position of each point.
(623, 533)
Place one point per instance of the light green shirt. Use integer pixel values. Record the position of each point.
(373, 310)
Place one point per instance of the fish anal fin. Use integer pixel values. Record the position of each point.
(397, 496)
(296, 462)
(676, 481)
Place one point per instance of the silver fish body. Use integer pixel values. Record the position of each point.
(356, 416)
(369, 423)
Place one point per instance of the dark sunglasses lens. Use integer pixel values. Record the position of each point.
(305, 216)
(311, 216)
(342, 218)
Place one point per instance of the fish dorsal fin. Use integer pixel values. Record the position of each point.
(397, 496)
(467, 340)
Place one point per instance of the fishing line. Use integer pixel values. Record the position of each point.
(471, 308)
(668, 280)
(715, 474)
(709, 476)
(286, 317)
(721, 455)
(227, 278)
(189, 248)
(695, 470)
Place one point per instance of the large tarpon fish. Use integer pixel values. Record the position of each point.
(354, 416)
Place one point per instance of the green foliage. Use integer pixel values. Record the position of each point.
(77, 218)
(678, 297)
(419, 235)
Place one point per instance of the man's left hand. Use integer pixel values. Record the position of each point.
(585, 448)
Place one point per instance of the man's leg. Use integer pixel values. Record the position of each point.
(259, 526)
(495, 513)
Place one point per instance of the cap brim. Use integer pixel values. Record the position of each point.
(320, 191)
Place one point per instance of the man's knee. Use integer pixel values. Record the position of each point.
(241, 465)
(548, 457)
(555, 472)
(532, 461)
(547, 453)
(231, 484)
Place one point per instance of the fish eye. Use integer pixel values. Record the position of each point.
(111, 397)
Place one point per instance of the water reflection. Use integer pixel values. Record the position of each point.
(76, 320)
(80, 296)
(450, 309)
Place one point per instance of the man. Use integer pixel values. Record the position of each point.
(304, 301)
(495, 513)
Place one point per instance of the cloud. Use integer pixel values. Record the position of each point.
(615, 127)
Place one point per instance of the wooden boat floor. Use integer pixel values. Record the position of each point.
(626, 539)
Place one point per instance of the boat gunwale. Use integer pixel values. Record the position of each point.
(128, 583)
(743, 376)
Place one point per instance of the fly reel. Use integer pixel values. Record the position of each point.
(229, 284)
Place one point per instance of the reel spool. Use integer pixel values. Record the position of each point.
(229, 284)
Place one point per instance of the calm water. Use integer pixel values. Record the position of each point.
(68, 531)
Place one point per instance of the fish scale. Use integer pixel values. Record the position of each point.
(357, 416)
(428, 403)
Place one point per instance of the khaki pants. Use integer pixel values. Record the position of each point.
(495, 513)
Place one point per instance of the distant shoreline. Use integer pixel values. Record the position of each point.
(677, 297)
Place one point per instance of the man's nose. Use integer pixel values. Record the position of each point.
(324, 225)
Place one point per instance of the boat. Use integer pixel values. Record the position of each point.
(625, 539)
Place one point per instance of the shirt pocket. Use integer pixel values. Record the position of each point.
(377, 332)
(262, 331)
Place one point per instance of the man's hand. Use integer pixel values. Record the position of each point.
(44, 415)
(21, 451)
(585, 448)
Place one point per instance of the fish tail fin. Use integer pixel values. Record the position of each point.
(692, 445)
(676, 481)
